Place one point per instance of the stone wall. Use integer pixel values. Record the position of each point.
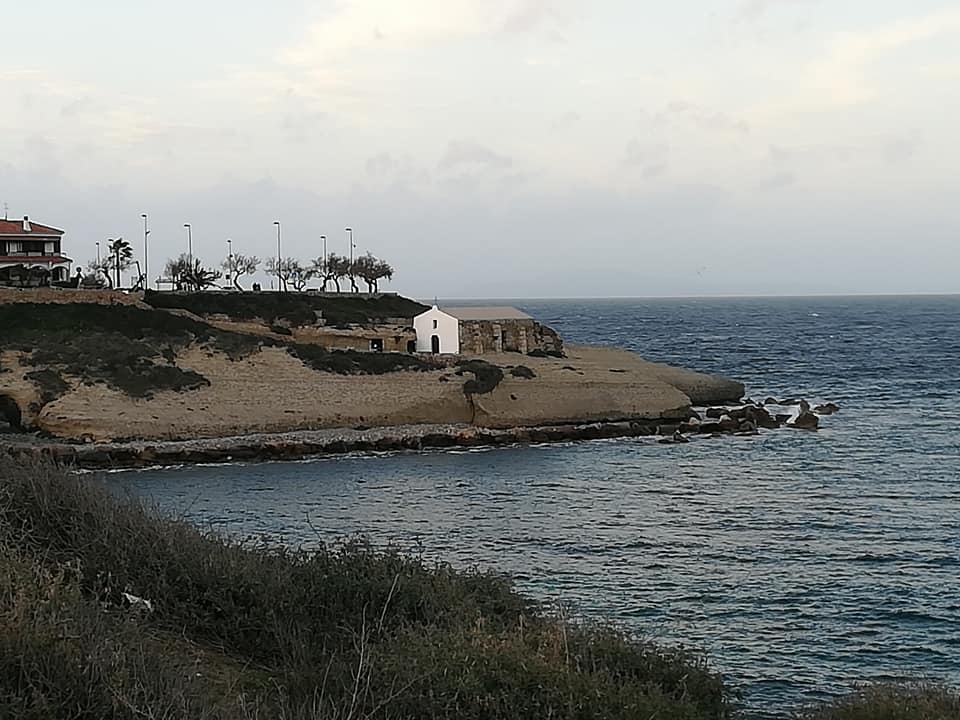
(393, 338)
(65, 295)
(483, 336)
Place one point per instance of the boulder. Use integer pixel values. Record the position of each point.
(761, 418)
(728, 424)
(827, 409)
(715, 413)
(806, 421)
(667, 429)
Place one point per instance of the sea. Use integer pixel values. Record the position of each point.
(801, 564)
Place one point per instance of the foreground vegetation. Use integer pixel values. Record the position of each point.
(249, 630)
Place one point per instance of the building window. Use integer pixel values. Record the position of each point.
(434, 324)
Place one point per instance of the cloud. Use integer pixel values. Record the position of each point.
(777, 181)
(900, 150)
(649, 158)
(754, 10)
(841, 75)
(465, 153)
(707, 119)
(530, 15)
(360, 25)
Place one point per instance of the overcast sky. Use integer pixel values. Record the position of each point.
(503, 148)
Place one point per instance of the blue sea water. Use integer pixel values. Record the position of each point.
(800, 563)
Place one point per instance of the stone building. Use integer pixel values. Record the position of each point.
(479, 330)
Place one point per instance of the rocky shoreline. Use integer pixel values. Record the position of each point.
(745, 419)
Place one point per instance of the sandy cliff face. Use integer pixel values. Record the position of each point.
(272, 391)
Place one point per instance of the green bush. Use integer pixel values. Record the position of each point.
(340, 631)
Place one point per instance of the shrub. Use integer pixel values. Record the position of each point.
(522, 371)
(486, 376)
(49, 382)
(892, 702)
(352, 362)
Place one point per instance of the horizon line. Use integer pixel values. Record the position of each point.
(707, 297)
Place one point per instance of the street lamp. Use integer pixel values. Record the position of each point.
(146, 252)
(189, 243)
(353, 284)
(324, 265)
(279, 284)
(98, 252)
(230, 267)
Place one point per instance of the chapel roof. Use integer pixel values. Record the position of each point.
(486, 313)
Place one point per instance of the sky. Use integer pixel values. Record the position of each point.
(502, 148)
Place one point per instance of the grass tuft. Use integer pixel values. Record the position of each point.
(892, 702)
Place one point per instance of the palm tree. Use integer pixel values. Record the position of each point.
(122, 254)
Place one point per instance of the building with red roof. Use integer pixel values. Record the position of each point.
(31, 254)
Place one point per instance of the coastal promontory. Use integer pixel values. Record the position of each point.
(104, 366)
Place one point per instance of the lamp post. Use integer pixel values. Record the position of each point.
(352, 283)
(279, 283)
(189, 243)
(98, 252)
(324, 264)
(230, 267)
(146, 252)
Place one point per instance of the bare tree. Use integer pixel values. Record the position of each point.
(191, 276)
(291, 272)
(236, 266)
(371, 270)
(381, 271)
(333, 269)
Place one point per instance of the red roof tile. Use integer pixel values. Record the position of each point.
(15, 227)
(34, 260)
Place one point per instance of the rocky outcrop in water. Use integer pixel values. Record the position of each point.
(740, 421)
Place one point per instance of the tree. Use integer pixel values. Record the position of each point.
(330, 269)
(372, 270)
(191, 276)
(299, 275)
(291, 272)
(236, 266)
(121, 255)
(334, 269)
(352, 274)
(101, 268)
